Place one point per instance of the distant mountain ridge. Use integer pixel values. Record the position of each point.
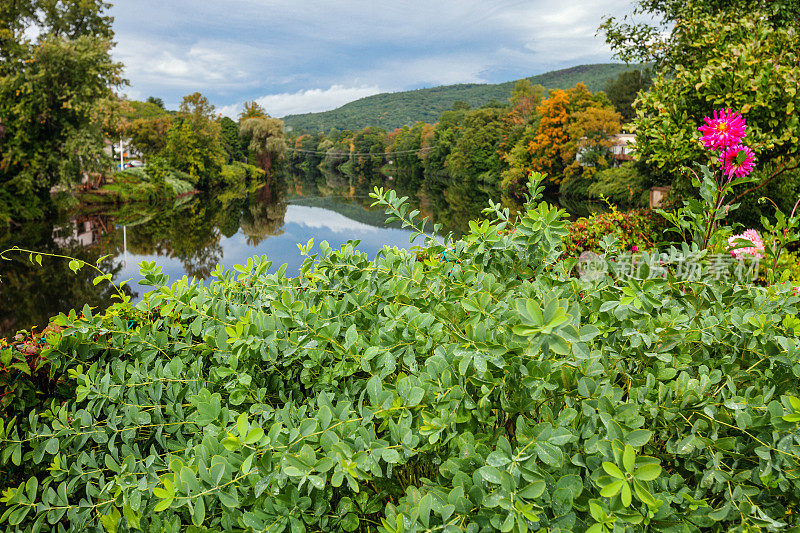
(394, 110)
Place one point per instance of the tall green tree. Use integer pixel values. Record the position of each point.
(748, 63)
(655, 30)
(234, 150)
(623, 90)
(194, 142)
(367, 158)
(51, 88)
(149, 134)
(475, 155)
(472, 166)
(155, 101)
(409, 166)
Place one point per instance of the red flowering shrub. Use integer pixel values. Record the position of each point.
(641, 228)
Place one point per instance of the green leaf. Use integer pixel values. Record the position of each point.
(625, 494)
(612, 488)
(549, 454)
(415, 396)
(490, 474)
(508, 523)
(628, 458)
(242, 425)
(391, 456)
(247, 464)
(229, 499)
(350, 522)
(424, 509)
(498, 459)
(613, 470)
(110, 520)
(31, 488)
(638, 437)
(350, 336)
(51, 446)
(533, 490)
(133, 518)
(216, 472)
(254, 435)
(199, 511)
(596, 511)
(647, 472)
(18, 515)
(643, 494)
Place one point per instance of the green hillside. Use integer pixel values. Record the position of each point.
(393, 110)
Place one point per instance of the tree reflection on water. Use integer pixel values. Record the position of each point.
(189, 231)
(29, 294)
(195, 233)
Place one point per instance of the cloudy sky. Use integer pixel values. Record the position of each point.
(299, 56)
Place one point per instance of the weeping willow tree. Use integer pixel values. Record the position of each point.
(265, 140)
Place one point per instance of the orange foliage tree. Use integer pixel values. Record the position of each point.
(549, 148)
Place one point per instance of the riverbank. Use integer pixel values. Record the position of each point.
(136, 185)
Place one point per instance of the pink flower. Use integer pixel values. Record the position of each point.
(635, 248)
(731, 166)
(749, 235)
(724, 130)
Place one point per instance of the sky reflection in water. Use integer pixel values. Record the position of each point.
(301, 223)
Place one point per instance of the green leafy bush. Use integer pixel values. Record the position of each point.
(787, 262)
(577, 186)
(623, 185)
(783, 191)
(156, 182)
(179, 187)
(476, 386)
(236, 173)
(138, 172)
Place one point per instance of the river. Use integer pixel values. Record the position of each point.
(188, 238)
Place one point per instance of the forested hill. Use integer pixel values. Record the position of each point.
(393, 110)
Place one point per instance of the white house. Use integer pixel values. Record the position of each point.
(620, 150)
(622, 147)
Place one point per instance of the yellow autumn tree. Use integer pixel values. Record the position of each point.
(591, 133)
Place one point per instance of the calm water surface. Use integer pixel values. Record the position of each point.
(187, 239)
(193, 235)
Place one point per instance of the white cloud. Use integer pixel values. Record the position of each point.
(230, 111)
(235, 50)
(311, 100)
(201, 66)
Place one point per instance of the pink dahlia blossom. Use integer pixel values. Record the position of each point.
(724, 130)
(731, 166)
(749, 235)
